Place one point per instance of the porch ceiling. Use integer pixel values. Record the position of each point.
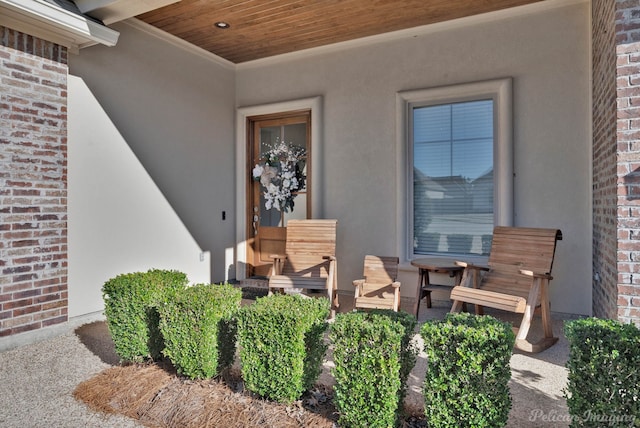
(264, 28)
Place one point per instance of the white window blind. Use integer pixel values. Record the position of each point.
(453, 177)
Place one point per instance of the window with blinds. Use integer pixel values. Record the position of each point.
(453, 177)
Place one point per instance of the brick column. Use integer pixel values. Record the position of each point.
(605, 294)
(33, 183)
(627, 21)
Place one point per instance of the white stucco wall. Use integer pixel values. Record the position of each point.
(150, 164)
(119, 221)
(547, 53)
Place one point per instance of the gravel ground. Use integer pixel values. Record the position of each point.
(38, 380)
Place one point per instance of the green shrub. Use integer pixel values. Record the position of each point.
(466, 384)
(373, 356)
(281, 345)
(199, 329)
(130, 307)
(603, 387)
(408, 348)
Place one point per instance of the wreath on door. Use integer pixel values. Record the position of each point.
(281, 175)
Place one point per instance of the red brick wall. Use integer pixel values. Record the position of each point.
(33, 183)
(616, 159)
(604, 160)
(627, 33)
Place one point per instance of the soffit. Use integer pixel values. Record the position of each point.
(265, 28)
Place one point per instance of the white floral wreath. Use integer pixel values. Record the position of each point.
(280, 174)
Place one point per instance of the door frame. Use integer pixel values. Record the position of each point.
(271, 236)
(242, 174)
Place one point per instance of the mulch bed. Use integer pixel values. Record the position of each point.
(156, 397)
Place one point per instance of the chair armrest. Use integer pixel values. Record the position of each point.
(358, 282)
(468, 265)
(395, 284)
(277, 256)
(331, 258)
(536, 274)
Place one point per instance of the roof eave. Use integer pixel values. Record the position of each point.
(53, 23)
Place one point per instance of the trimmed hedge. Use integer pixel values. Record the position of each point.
(281, 345)
(466, 384)
(603, 387)
(409, 349)
(130, 307)
(373, 356)
(199, 329)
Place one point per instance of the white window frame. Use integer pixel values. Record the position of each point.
(500, 91)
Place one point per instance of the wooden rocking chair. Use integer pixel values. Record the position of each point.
(379, 288)
(516, 280)
(310, 260)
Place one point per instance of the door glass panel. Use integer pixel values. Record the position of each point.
(300, 211)
(294, 135)
(269, 137)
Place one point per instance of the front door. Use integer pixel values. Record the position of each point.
(279, 148)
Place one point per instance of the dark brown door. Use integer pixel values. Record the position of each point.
(266, 225)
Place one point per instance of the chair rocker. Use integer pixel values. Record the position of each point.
(516, 279)
(379, 288)
(309, 262)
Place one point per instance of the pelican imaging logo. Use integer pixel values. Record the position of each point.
(554, 416)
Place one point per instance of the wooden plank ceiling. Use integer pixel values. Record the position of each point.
(264, 28)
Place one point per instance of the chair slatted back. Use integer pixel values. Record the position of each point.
(515, 248)
(380, 270)
(307, 243)
(379, 288)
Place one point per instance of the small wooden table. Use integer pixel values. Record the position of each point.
(434, 265)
